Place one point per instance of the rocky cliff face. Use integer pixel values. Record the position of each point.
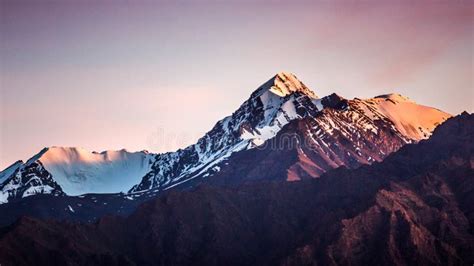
(28, 180)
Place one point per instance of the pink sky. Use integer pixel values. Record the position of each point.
(123, 74)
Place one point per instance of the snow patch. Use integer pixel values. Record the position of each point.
(34, 190)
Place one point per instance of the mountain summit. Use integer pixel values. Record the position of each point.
(284, 84)
(274, 104)
(331, 132)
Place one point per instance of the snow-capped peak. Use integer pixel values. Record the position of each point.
(274, 104)
(287, 83)
(284, 84)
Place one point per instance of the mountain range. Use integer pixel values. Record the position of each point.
(289, 178)
(324, 133)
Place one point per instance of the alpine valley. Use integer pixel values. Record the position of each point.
(290, 178)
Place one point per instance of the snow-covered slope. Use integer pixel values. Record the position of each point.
(273, 105)
(412, 120)
(78, 171)
(74, 171)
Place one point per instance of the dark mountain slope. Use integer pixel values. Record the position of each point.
(85, 208)
(414, 208)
